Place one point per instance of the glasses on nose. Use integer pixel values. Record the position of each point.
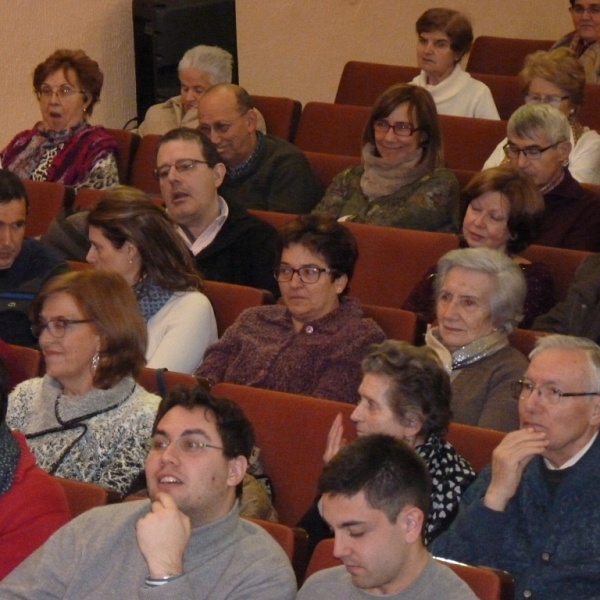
(283, 273)
(186, 444)
(181, 166)
(531, 152)
(56, 327)
(218, 127)
(400, 128)
(552, 100)
(546, 391)
(592, 9)
(63, 92)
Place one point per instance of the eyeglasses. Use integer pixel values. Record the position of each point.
(56, 327)
(531, 152)
(186, 444)
(552, 100)
(63, 92)
(592, 9)
(181, 166)
(549, 393)
(400, 128)
(219, 126)
(283, 273)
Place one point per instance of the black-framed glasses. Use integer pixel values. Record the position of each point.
(284, 273)
(56, 327)
(592, 9)
(550, 393)
(186, 444)
(531, 152)
(400, 127)
(551, 99)
(64, 91)
(181, 166)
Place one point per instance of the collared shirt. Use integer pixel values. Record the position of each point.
(234, 173)
(209, 234)
(573, 459)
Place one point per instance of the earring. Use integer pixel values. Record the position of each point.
(95, 361)
(339, 290)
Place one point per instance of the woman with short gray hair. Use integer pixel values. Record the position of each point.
(479, 300)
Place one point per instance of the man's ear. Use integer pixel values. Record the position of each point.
(411, 521)
(237, 469)
(251, 119)
(219, 171)
(595, 414)
(564, 149)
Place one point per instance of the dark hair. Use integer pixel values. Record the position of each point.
(12, 188)
(390, 473)
(423, 114)
(234, 428)
(324, 236)
(108, 301)
(208, 149)
(454, 24)
(87, 70)
(3, 391)
(126, 214)
(524, 198)
(419, 384)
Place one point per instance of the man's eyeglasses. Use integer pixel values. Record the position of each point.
(552, 100)
(219, 127)
(592, 9)
(56, 327)
(283, 273)
(64, 91)
(547, 392)
(186, 444)
(181, 166)
(531, 152)
(400, 128)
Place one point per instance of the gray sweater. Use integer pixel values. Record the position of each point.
(96, 556)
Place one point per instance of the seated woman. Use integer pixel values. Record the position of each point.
(405, 392)
(402, 182)
(135, 237)
(314, 343)
(480, 294)
(87, 419)
(444, 37)
(63, 146)
(557, 78)
(503, 211)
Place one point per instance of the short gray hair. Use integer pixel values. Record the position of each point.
(531, 120)
(509, 286)
(214, 61)
(570, 342)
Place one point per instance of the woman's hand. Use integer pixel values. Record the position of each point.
(335, 439)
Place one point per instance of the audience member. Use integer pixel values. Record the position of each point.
(135, 237)
(87, 419)
(187, 541)
(402, 181)
(32, 504)
(24, 263)
(444, 37)
(228, 243)
(405, 392)
(200, 68)
(502, 210)
(314, 342)
(63, 146)
(375, 497)
(263, 172)
(534, 511)
(480, 294)
(556, 78)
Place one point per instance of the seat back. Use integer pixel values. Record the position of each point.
(144, 163)
(88, 198)
(506, 92)
(292, 459)
(82, 496)
(150, 380)
(128, 143)
(502, 56)
(397, 324)
(327, 166)
(29, 358)
(281, 115)
(523, 340)
(277, 219)
(589, 114)
(476, 444)
(46, 200)
(362, 83)
(464, 176)
(322, 558)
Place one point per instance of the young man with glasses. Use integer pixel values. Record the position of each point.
(534, 511)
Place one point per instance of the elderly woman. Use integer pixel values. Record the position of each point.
(314, 343)
(444, 37)
(503, 211)
(558, 79)
(135, 237)
(402, 182)
(480, 294)
(201, 68)
(405, 392)
(63, 146)
(87, 418)
(583, 41)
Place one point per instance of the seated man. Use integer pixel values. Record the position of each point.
(534, 511)
(375, 498)
(188, 539)
(24, 263)
(264, 172)
(538, 145)
(228, 243)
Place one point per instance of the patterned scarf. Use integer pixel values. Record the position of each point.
(9, 458)
(151, 297)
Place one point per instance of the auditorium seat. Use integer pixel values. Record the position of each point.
(476, 444)
(128, 143)
(464, 176)
(277, 219)
(82, 496)
(46, 201)
(29, 358)
(397, 324)
(144, 163)
(281, 115)
(505, 91)
(589, 114)
(150, 380)
(88, 198)
(523, 340)
(327, 166)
